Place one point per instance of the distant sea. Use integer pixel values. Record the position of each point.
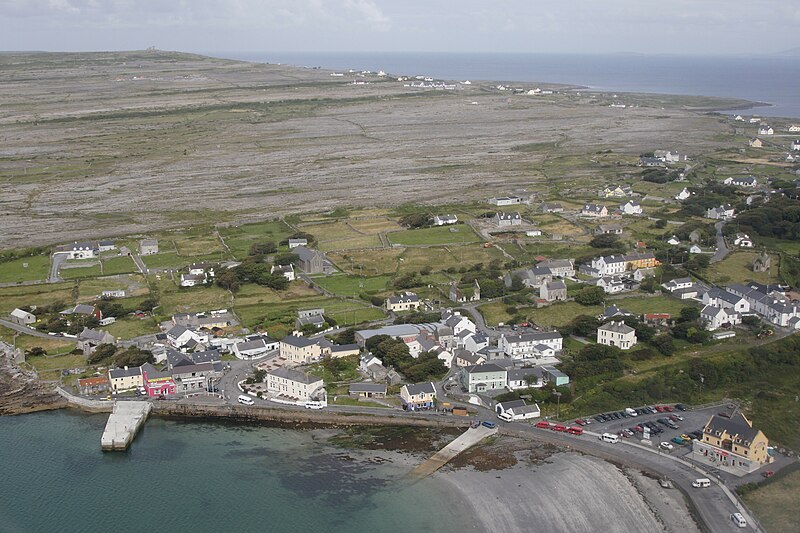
(770, 79)
(202, 476)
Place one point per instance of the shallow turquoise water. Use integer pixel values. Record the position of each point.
(203, 476)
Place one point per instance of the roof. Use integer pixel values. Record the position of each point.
(508, 216)
(403, 298)
(485, 367)
(722, 294)
(447, 217)
(88, 382)
(593, 207)
(298, 342)
(519, 374)
(177, 331)
(305, 254)
(556, 285)
(511, 404)
(116, 373)
(92, 335)
(554, 372)
(19, 313)
(193, 369)
(294, 375)
(617, 327)
(524, 409)
(414, 389)
(736, 425)
(257, 344)
(344, 348)
(368, 387)
(531, 337)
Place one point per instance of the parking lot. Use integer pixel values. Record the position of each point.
(693, 420)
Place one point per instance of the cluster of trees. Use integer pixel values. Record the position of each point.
(595, 361)
(608, 242)
(712, 194)
(660, 175)
(418, 317)
(10, 255)
(254, 269)
(394, 353)
(416, 220)
(109, 355)
(779, 219)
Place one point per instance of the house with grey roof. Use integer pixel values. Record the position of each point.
(617, 334)
(503, 219)
(723, 212)
(517, 410)
(90, 339)
(485, 377)
(309, 261)
(255, 347)
(300, 350)
(417, 396)
(553, 291)
(527, 345)
(716, 317)
(295, 385)
(408, 301)
(524, 378)
(443, 220)
(560, 268)
(148, 247)
(594, 210)
(367, 390)
(23, 318)
(716, 297)
(294, 243)
(315, 321)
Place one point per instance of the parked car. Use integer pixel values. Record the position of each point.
(676, 418)
(580, 421)
(488, 424)
(768, 473)
(680, 407)
(543, 424)
(666, 446)
(559, 427)
(678, 440)
(600, 419)
(575, 430)
(668, 408)
(627, 432)
(662, 421)
(686, 436)
(660, 408)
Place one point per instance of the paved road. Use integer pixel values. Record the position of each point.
(123, 250)
(722, 248)
(26, 330)
(55, 265)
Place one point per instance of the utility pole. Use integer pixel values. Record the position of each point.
(557, 394)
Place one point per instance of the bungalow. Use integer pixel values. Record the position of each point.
(683, 195)
(717, 317)
(794, 128)
(555, 376)
(83, 309)
(723, 212)
(300, 350)
(615, 191)
(678, 283)
(560, 268)
(650, 162)
(739, 181)
(367, 390)
(594, 210)
(310, 261)
(220, 318)
(90, 339)
(484, 377)
(765, 130)
(118, 293)
(613, 311)
(294, 384)
(518, 410)
(23, 318)
(148, 247)
(674, 241)
(551, 208)
(611, 284)
(617, 334)
(315, 321)
(754, 120)
(442, 220)
(524, 378)
(79, 250)
(608, 229)
(343, 350)
(287, 271)
(294, 243)
(553, 291)
(255, 347)
(503, 219)
(695, 249)
(755, 142)
(657, 319)
(669, 156)
(98, 385)
(743, 240)
(505, 200)
(418, 396)
(631, 207)
(533, 233)
(407, 301)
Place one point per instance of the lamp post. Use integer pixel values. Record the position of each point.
(557, 394)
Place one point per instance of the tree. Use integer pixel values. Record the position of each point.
(660, 223)
(663, 343)
(263, 248)
(416, 220)
(35, 351)
(689, 314)
(149, 304)
(590, 295)
(605, 240)
(100, 353)
(229, 280)
(133, 357)
(285, 258)
(583, 326)
(698, 262)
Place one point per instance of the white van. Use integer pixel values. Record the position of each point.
(609, 437)
(701, 483)
(739, 520)
(630, 411)
(246, 400)
(311, 404)
(505, 416)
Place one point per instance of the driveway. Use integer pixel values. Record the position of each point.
(722, 248)
(55, 266)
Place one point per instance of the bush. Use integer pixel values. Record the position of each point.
(590, 296)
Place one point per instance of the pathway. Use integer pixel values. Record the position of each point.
(466, 440)
(722, 248)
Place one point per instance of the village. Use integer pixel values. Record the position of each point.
(506, 310)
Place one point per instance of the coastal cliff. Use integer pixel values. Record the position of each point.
(20, 390)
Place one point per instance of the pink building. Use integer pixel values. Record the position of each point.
(157, 383)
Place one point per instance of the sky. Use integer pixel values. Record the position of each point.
(696, 27)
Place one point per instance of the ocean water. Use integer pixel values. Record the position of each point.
(201, 476)
(770, 79)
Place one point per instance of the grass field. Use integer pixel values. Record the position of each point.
(61, 362)
(119, 265)
(775, 504)
(165, 260)
(45, 294)
(38, 268)
(339, 235)
(80, 272)
(735, 268)
(460, 233)
(655, 304)
(133, 284)
(240, 238)
(556, 225)
(252, 294)
(198, 243)
(129, 327)
(368, 263)
(346, 400)
(374, 225)
(352, 286)
(194, 299)
(53, 346)
(442, 258)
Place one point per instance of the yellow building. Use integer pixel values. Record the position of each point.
(732, 444)
(636, 260)
(126, 378)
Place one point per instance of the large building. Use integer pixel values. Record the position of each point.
(616, 334)
(300, 350)
(418, 396)
(527, 345)
(483, 378)
(294, 384)
(309, 261)
(404, 302)
(732, 444)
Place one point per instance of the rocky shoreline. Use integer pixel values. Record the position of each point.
(21, 391)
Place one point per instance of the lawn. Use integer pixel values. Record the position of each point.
(355, 243)
(133, 284)
(340, 235)
(555, 315)
(166, 260)
(252, 294)
(735, 268)
(775, 503)
(368, 263)
(556, 225)
(284, 313)
(193, 299)
(458, 234)
(346, 285)
(61, 362)
(374, 225)
(240, 238)
(198, 243)
(53, 346)
(25, 269)
(130, 327)
(655, 304)
(414, 259)
(45, 294)
(119, 265)
(81, 272)
(346, 400)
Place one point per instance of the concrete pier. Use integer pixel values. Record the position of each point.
(123, 424)
(466, 440)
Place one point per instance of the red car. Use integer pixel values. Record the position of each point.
(669, 408)
(660, 408)
(543, 425)
(580, 422)
(559, 427)
(768, 473)
(575, 430)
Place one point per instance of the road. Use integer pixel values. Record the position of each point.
(123, 250)
(55, 266)
(26, 330)
(722, 248)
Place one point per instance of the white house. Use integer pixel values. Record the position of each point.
(506, 200)
(794, 128)
(295, 385)
(796, 144)
(743, 240)
(695, 249)
(179, 336)
(442, 220)
(294, 243)
(683, 195)
(723, 212)
(716, 297)
(678, 283)
(527, 345)
(507, 219)
(404, 302)
(631, 207)
(716, 317)
(739, 181)
(616, 334)
(518, 410)
(525, 378)
(287, 271)
(254, 347)
(674, 241)
(765, 130)
(23, 318)
(80, 250)
(533, 233)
